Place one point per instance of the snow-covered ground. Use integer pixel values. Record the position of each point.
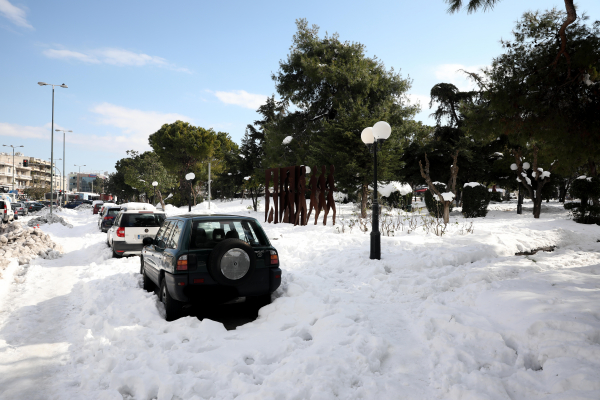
(452, 317)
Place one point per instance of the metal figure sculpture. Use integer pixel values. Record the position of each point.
(330, 199)
(314, 199)
(289, 195)
(300, 196)
(320, 193)
(286, 194)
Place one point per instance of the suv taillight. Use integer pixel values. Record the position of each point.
(108, 218)
(121, 232)
(274, 258)
(182, 263)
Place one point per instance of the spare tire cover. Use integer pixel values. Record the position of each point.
(232, 262)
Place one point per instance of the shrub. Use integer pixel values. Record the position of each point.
(435, 207)
(496, 196)
(570, 206)
(585, 189)
(475, 201)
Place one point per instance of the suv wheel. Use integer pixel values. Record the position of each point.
(232, 262)
(172, 307)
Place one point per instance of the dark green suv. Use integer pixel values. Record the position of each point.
(209, 259)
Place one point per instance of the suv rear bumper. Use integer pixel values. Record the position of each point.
(126, 249)
(200, 286)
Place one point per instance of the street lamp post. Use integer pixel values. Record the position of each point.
(64, 171)
(78, 174)
(374, 138)
(13, 147)
(189, 178)
(52, 138)
(154, 185)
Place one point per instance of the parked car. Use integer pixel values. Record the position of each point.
(107, 217)
(21, 208)
(73, 204)
(133, 223)
(209, 259)
(104, 206)
(16, 214)
(35, 206)
(96, 206)
(6, 212)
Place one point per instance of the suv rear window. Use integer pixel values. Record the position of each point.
(142, 220)
(113, 212)
(207, 234)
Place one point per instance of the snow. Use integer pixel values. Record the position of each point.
(97, 202)
(246, 178)
(452, 317)
(545, 174)
(438, 183)
(526, 165)
(524, 175)
(582, 177)
(513, 166)
(472, 184)
(137, 206)
(447, 196)
(387, 189)
(287, 140)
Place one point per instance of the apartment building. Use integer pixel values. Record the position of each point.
(26, 172)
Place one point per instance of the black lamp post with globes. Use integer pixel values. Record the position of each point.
(374, 138)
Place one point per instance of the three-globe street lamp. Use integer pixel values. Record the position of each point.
(52, 137)
(374, 138)
(75, 165)
(189, 178)
(63, 158)
(154, 185)
(13, 147)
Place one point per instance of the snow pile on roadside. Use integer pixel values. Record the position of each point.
(48, 219)
(25, 244)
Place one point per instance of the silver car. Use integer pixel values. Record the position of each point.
(21, 208)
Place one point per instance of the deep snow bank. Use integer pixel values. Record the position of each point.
(452, 317)
(24, 244)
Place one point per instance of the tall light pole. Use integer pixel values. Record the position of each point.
(13, 147)
(374, 138)
(78, 174)
(189, 177)
(64, 171)
(52, 139)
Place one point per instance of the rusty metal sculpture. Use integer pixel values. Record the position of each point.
(289, 195)
(330, 200)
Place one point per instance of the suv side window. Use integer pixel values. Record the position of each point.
(174, 239)
(161, 231)
(167, 232)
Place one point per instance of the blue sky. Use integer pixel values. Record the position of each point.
(133, 65)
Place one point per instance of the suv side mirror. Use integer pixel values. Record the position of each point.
(147, 241)
(161, 245)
